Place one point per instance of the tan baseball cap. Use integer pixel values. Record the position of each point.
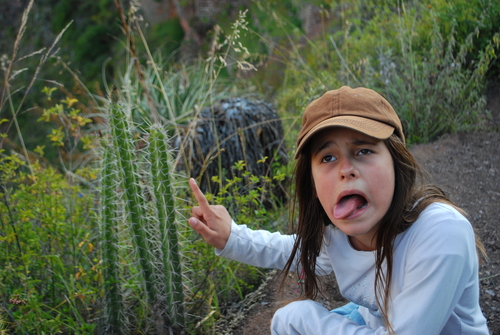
(361, 109)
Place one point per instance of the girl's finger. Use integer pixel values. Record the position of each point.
(209, 235)
(197, 212)
(201, 228)
(199, 196)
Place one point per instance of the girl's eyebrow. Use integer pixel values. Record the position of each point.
(370, 141)
(354, 142)
(323, 146)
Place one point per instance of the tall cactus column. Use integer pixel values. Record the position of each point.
(114, 309)
(164, 195)
(124, 146)
(145, 216)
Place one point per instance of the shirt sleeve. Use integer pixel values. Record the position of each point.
(258, 247)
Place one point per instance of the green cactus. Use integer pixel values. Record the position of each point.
(164, 195)
(146, 216)
(112, 290)
(123, 143)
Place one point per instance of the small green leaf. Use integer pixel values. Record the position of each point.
(39, 150)
(69, 101)
(48, 91)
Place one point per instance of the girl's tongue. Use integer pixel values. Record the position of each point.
(348, 205)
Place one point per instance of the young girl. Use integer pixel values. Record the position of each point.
(402, 253)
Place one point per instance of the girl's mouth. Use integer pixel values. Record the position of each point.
(349, 205)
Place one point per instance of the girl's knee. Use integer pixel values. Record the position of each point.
(285, 318)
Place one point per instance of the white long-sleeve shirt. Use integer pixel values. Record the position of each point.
(434, 290)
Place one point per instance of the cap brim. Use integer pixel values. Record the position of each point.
(366, 126)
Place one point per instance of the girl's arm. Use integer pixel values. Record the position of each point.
(237, 242)
(440, 287)
(258, 247)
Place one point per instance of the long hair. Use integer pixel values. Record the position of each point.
(411, 197)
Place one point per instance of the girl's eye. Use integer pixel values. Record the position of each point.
(364, 152)
(327, 158)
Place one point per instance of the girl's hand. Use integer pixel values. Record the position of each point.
(213, 223)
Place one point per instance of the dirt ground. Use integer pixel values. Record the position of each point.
(467, 167)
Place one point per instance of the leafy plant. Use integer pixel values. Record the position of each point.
(50, 268)
(244, 195)
(73, 135)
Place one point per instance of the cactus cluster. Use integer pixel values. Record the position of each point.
(137, 203)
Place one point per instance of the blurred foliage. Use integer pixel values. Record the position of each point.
(463, 17)
(92, 37)
(94, 44)
(166, 36)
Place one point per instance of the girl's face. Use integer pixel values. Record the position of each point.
(354, 179)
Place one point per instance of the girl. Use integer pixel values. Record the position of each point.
(402, 253)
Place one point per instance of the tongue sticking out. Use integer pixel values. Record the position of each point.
(348, 205)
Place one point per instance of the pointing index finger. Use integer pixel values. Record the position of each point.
(199, 196)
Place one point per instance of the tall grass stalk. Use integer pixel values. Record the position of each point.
(10, 73)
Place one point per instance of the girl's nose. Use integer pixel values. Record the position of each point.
(347, 170)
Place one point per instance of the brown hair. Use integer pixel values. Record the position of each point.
(411, 197)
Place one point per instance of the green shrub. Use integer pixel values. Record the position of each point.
(434, 86)
(458, 19)
(49, 267)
